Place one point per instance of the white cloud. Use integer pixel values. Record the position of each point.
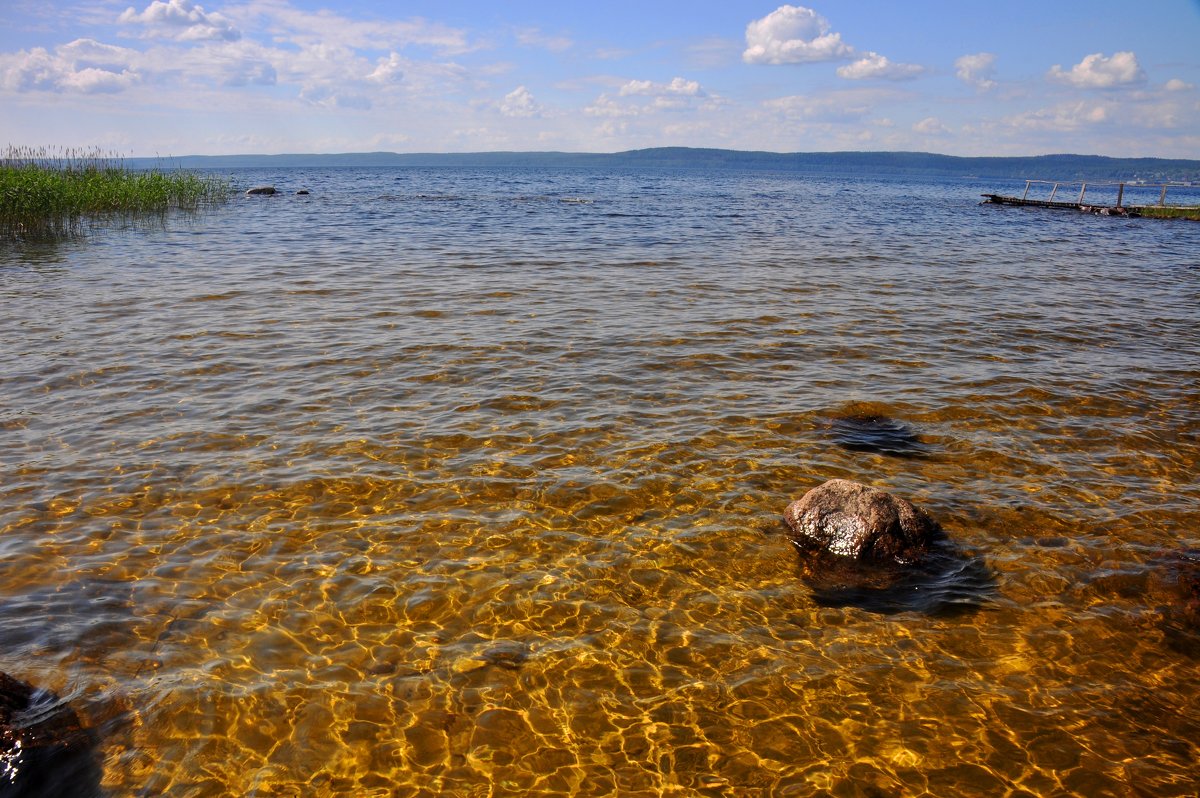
(182, 20)
(836, 107)
(235, 64)
(1064, 117)
(1098, 72)
(388, 70)
(793, 35)
(874, 65)
(646, 97)
(83, 66)
(677, 86)
(519, 103)
(606, 106)
(89, 52)
(931, 126)
(978, 70)
(1175, 84)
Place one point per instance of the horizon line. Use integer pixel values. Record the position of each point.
(657, 148)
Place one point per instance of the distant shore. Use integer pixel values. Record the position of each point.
(914, 164)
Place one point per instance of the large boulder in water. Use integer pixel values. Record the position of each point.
(851, 520)
(44, 750)
(866, 548)
(260, 191)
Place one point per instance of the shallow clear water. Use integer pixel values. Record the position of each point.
(469, 482)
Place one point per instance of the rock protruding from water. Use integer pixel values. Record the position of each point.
(302, 192)
(851, 520)
(260, 190)
(866, 548)
(44, 750)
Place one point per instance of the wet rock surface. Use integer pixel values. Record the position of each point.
(863, 547)
(45, 752)
(260, 191)
(851, 520)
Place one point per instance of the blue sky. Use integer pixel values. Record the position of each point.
(178, 77)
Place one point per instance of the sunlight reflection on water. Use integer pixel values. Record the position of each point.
(432, 483)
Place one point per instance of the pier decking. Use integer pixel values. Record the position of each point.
(1159, 211)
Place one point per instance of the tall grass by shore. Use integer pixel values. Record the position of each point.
(47, 193)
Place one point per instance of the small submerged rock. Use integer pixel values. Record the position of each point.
(877, 433)
(302, 192)
(44, 749)
(1180, 571)
(260, 191)
(508, 654)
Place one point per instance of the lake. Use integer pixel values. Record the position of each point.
(469, 482)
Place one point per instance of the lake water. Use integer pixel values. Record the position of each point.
(470, 482)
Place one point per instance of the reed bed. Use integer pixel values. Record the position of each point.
(1170, 212)
(49, 193)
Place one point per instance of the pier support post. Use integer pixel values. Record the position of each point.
(1120, 193)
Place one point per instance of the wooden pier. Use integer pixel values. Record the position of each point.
(1159, 211)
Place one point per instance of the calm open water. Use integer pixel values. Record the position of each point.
(469, 482)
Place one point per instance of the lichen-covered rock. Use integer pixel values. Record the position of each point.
(260, 190)
(851, 520)
(44, 750)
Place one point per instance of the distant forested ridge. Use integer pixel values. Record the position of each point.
(1052, 167)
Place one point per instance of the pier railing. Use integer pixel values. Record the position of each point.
(1083, 187)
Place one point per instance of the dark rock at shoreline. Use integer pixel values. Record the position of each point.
(44, 749)
(260, 190)
(873, 432)
(851, 520)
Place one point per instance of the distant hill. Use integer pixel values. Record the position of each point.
(1055, 167)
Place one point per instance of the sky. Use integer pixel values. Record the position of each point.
(960, 77)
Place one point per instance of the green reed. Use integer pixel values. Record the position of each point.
(51, 193)
(1170, 212)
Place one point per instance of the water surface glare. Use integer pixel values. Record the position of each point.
(469, 482)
